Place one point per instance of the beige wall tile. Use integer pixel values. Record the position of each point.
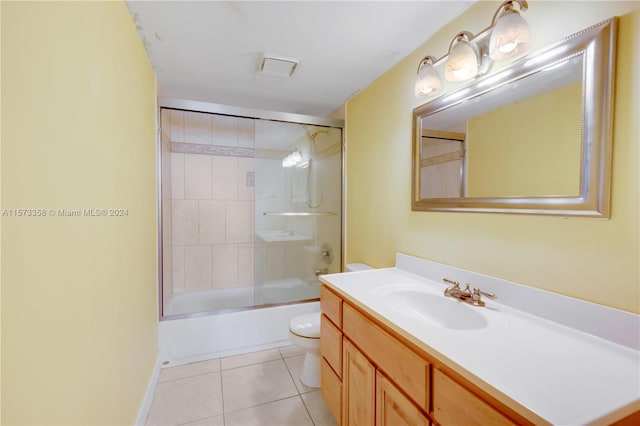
(225, 266)
(198, 269)
(197, 177)
(245, 166)
(225, 130)
(177, 176)
(273, 258)
(246, 132)
(184, 228)
(212, 222)
(178, 269)
(239, 221)
(224, 178)
(198, 127)
(245, 264)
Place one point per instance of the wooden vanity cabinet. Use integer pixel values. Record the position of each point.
(370, 377)
(358, 387)
(455, 405)
(395, 409)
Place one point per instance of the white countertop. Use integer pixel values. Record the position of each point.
(561, 374)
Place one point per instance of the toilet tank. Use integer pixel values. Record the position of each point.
(354, 267)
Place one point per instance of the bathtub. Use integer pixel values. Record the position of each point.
(224, 327)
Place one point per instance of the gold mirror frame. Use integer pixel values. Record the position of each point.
(597, 45)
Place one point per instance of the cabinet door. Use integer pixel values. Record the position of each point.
(358, 387)
(455, 405)
(393, 408)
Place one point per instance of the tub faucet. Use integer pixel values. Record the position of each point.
(322, 271)
(471, 297)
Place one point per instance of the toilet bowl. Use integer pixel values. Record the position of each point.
(304, 332)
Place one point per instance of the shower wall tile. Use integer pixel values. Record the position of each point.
(273, 260)
(238, 222)
(198, 127)
(177, 176)
(212, 222)
(245, 264)
(185, 222)
(176, 127)
(197, 177)
(245, 187)
(295, 261)
(225, 130)
(225, 265)
(178, 269)
(224, 178)
(198, 268)
(246, 132)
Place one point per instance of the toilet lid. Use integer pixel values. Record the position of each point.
(307, 325)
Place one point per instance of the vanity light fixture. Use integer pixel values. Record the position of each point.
(428, 82)
(470, 56)
(511, 34)
(463, 58)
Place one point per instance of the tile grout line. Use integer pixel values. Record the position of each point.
(298, 390)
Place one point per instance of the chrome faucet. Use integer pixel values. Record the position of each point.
(471, 297)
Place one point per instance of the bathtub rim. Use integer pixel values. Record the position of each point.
(234, 310)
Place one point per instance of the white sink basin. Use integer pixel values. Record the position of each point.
(431, 308)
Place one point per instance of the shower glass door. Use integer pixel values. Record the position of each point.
(298, 193)
(251, 210)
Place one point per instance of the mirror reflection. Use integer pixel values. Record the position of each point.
(534, 137)
(520, 140)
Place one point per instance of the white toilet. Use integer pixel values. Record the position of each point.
(304, 332)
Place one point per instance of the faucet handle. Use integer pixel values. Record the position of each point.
(478, 292)
(455, 284)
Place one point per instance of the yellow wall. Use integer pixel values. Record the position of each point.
(592, 259)
(525, 158)
(79, 321)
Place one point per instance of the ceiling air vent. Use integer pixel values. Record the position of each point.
(278, 66)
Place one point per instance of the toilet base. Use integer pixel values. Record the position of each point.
(310, 374)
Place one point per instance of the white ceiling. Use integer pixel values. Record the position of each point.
(211, 50)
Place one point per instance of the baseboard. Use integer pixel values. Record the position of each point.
(143, 412)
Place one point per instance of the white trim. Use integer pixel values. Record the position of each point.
(145, 407)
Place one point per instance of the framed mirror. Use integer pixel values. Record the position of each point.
(534, 137)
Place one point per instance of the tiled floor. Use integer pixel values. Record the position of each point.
(255, 389)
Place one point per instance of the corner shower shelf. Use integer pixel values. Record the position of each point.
(299, 213)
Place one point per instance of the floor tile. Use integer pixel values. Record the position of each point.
(285, 412)
(294, 365)
(289, 351)
(318, 409)
(189, 370)
(185, 400)
(211, 421)
(249, 359)
(252, 385)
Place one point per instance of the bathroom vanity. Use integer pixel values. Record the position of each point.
(396, 351)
